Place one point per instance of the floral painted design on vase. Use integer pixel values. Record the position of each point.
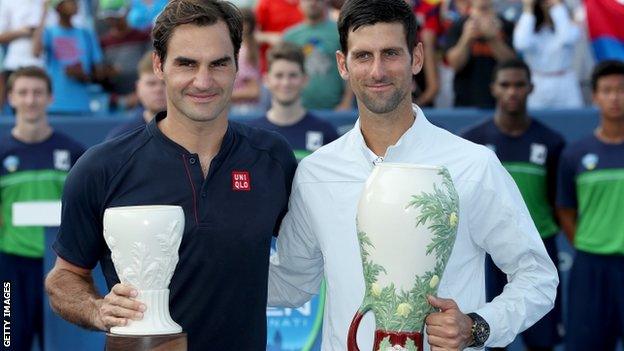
(407, 222)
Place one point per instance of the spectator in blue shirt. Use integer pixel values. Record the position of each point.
(285, 80)
(73, 60)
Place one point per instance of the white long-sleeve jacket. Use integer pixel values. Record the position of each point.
(318, 237)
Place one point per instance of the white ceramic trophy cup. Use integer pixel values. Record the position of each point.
(144, 243)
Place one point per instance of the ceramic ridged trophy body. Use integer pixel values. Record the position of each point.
(144, 243)
(407, 221)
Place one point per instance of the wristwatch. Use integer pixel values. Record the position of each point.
(480, 330)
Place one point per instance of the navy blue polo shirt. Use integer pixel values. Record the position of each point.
(218, 292)
(531, 159)
(305, 136)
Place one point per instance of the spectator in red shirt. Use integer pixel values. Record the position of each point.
(272, 17)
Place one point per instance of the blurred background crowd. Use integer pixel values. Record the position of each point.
(91, 49)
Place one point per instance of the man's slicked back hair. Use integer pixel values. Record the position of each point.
(358, 13)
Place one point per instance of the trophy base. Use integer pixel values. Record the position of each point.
(169, 342)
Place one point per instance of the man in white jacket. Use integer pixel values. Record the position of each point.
(318, 237)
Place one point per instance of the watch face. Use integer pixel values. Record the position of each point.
(480, 330)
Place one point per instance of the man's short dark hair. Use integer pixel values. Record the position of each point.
(606, 68)
(514, 63)
(357, 13)
(200, 13)
(31, 72)
(286, 51)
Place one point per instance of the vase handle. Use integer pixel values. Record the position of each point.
(353, 328)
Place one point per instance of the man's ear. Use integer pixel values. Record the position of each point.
(157, 65)
(341, 61)
(418, 56)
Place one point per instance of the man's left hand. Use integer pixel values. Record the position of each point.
(448, 329)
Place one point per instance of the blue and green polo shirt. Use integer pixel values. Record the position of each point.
(31, 172)
(591, 180)
(531, 159)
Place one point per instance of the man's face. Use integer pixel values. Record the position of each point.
(30, 99)
(68, 8)
(313, 10)
(481, 6)
(151, 92)
(199, 71)
(285, 80)
(379, 67)
(511, 90)
(609, 97)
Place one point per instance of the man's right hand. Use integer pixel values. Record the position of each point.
(119, 306)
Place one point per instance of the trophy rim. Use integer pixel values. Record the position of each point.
(409, 165)
(139, 208)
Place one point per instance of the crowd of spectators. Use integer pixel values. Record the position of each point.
(91, 48)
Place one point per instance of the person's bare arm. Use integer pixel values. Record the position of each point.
(491, 28)
(73, 297)
(249, 91)
(458, 55)
(270, 38)
(430, 68)
(567, 220)
(346, 103)
(501, 50)
(37, 35)
(9, 36)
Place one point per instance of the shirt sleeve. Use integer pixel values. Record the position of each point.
(96, 49)
(80, 240)
(524, 38)
(566, 186)
(500, 223)
(566, 31)
(296, 268)
(5, 18)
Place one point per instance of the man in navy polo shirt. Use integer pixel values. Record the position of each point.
(188, 156)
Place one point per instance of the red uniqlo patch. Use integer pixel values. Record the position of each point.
(241, 181)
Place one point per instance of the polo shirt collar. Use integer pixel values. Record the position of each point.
(173, 147)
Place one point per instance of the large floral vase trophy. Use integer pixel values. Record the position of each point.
(407, 221)
(144, 243)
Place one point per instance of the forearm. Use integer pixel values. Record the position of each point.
(501, 50)
(249, 91)
(567, 220)
(270, 38)
(347, 98)
(37, 46)
(9, 36)
(568, 225)
(458, 55)
(74, 298)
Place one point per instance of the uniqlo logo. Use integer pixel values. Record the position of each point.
(241, 181)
